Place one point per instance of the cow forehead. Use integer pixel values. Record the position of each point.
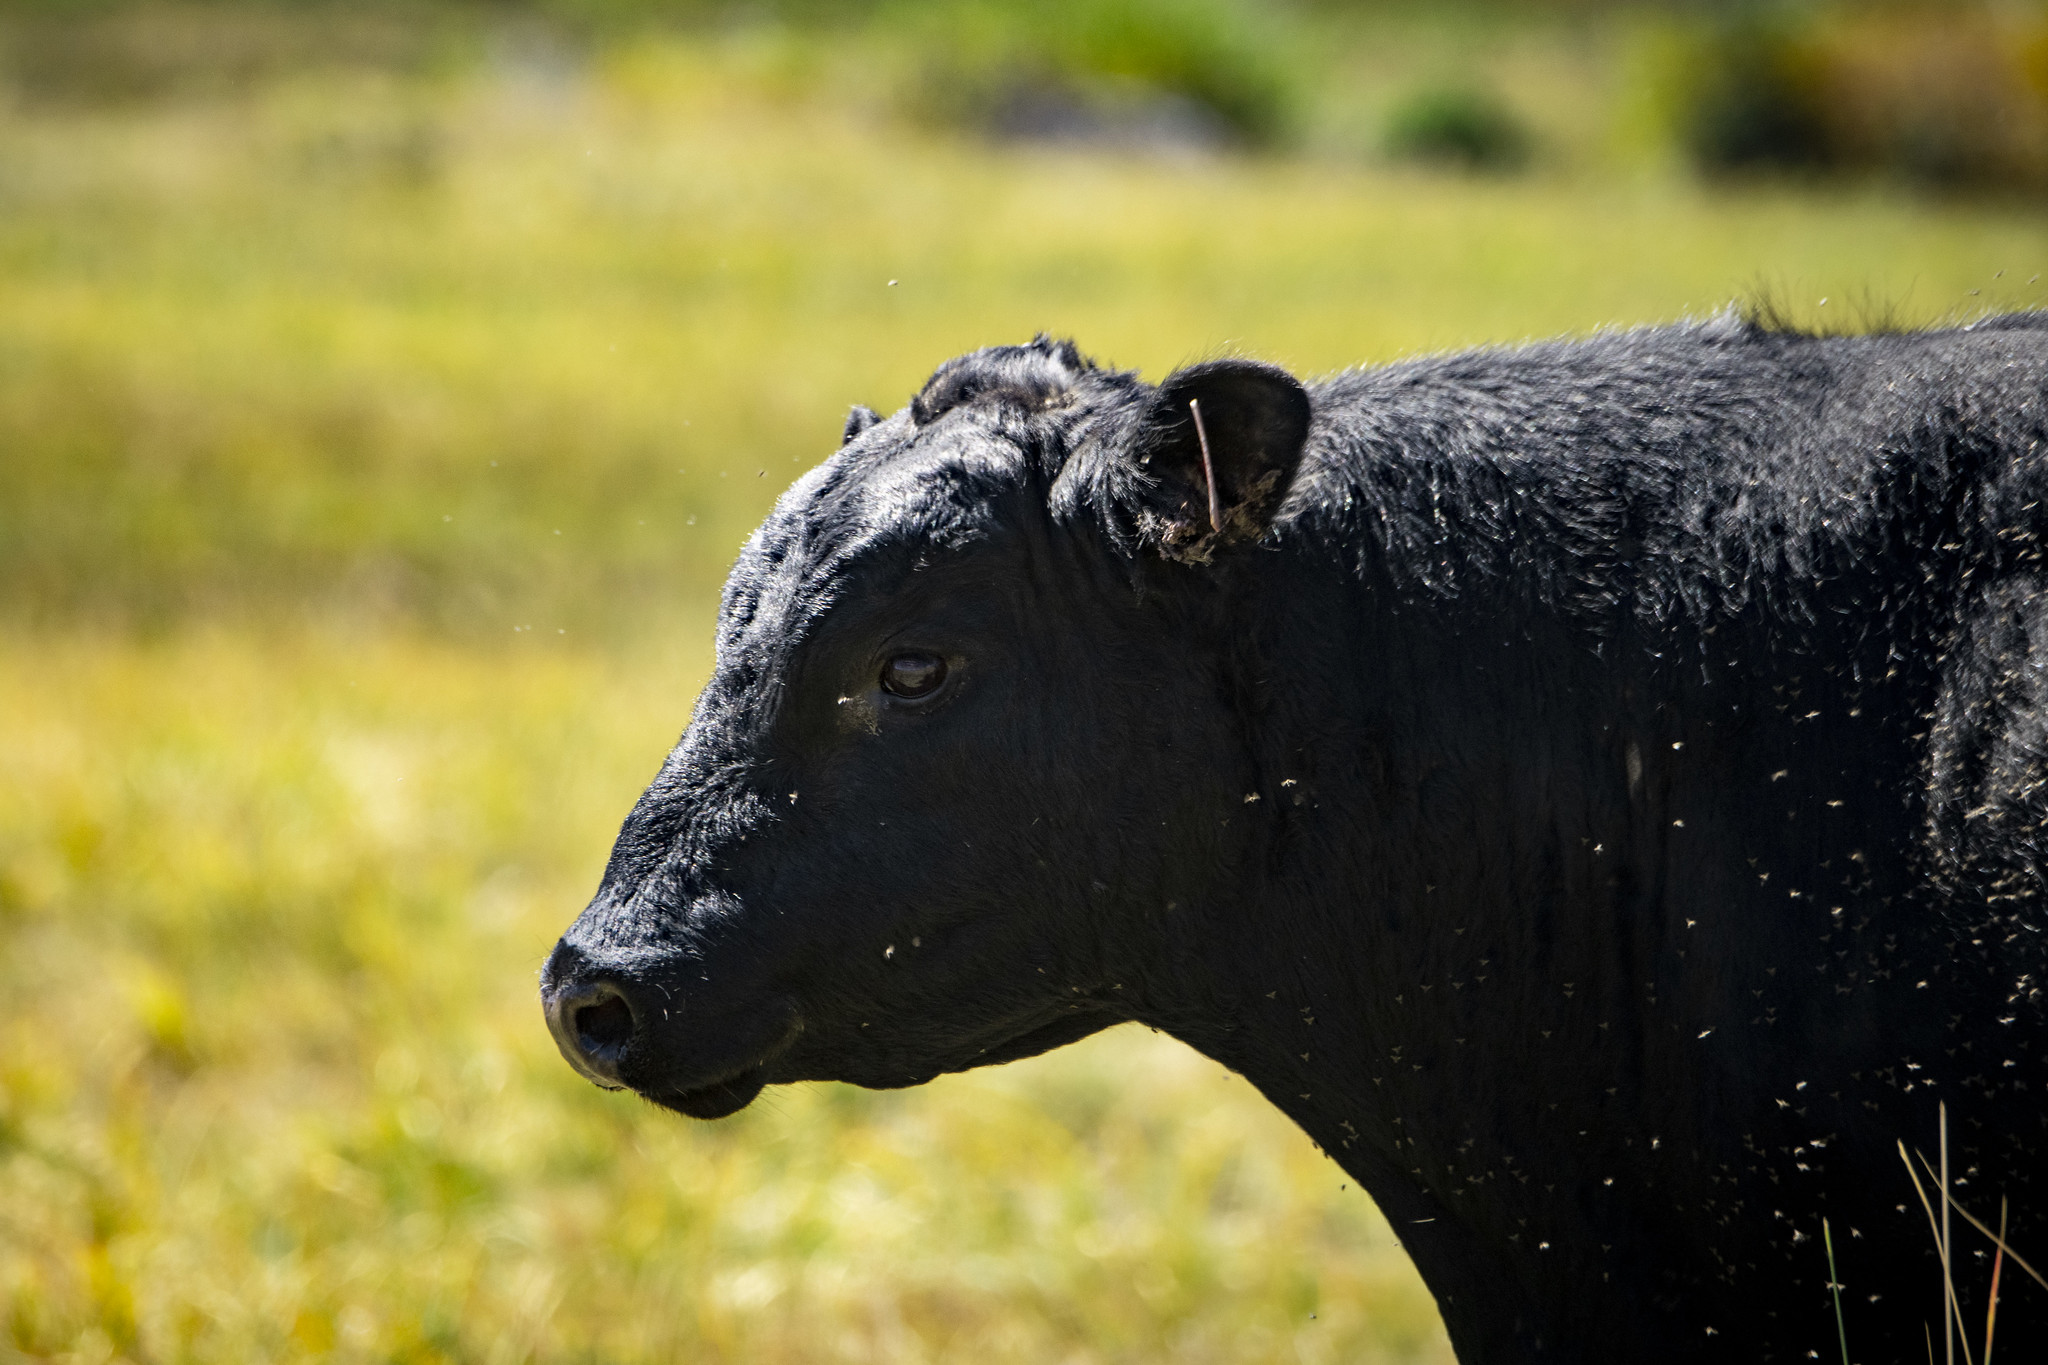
(896, 488)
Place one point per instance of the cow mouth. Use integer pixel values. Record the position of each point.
(731, 1092)
(717, 1100)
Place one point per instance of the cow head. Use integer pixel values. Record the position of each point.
(959, 789)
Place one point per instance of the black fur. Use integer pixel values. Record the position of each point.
(1597, 789)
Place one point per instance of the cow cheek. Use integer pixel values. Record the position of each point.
(858, 715)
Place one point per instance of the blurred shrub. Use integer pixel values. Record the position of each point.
(1945, 97)
(1177, 71)
(1457, 126)
(106, 52)
(1104, 70)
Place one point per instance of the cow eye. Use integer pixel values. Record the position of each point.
(913, 675)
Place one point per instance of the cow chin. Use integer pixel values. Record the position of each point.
(715, 1101)
(693, 1080)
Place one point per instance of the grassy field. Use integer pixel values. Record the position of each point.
(275, 1089)
(373, 441)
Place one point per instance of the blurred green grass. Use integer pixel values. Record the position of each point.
(374, 436)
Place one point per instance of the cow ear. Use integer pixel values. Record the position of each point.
(1219, 448)
(860, 419)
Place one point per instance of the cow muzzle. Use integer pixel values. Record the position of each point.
(625, 1029)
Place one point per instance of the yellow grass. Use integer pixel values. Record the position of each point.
(274, 1084)
(315, 722)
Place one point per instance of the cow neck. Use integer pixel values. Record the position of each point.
(1451, 840)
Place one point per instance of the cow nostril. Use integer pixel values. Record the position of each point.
(604, 1028)
(592, 1023)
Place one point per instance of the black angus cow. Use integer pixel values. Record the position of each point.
(1597, 789)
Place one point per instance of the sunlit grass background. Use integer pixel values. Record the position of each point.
(377, 422)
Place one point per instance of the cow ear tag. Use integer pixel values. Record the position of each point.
(1220, 447)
